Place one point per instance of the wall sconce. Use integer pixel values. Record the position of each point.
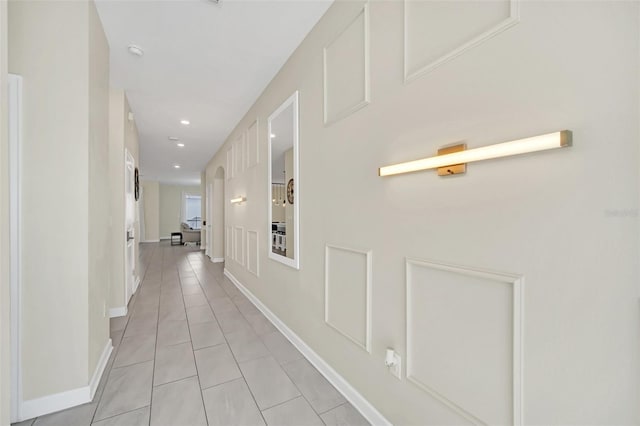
(453, 160)
(238, 200)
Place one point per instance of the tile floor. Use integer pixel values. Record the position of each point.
(195, 351)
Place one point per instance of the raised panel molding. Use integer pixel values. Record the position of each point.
(238, 244)
(229, 243)
(252, 144)
(229, 173)
(253, 261)
(481, 27)
(347, 293)
(238, 156)
(466, 325)
(346, 70)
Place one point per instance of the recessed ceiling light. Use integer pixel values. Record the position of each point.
(173, 138)
(273, 135)
(185, 122)
(180, 145)
(135, 50)
(176, 166)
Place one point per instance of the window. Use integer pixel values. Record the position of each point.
(192, 210)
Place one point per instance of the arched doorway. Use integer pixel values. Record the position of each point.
(217, 217)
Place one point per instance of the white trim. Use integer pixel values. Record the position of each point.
(151, 241)
(165, 238)
(56, 402)
(366, 345)
(217, 260)
(136, 284)
(248, 255)
(71, 398)
(517, 281)
(358, 401)
(118, 312)
(99, 371)
(295, 262)
(513, 19)
(367, 87)
(240, 259)
(15, 262)
(129, 199)
(256, 144)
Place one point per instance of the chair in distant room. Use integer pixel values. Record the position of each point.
(189, 235)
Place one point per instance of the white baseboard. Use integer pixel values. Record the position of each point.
(63, 400)
(358, 401)
(118, 312)
(150, 241)
(217, 259)
(165, 238)
(52, 403)
(136, 284)
(102, 364)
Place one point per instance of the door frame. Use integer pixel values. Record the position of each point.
(208, 213)
(15, 262)
(129, 285)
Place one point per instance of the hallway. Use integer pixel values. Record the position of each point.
(193, 350)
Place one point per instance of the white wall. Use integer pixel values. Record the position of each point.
(171, 207)
(123, 134)
(60, 50)
(151, 199)
(5, 361)
(100, 236)
(555, 218)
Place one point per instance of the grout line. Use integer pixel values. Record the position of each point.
(159, 385)
(193, 354)
(224, 336)
(281, 365)
(124, 412)
(155, 348)
(282, 403)
(223, 383)
(132, 301)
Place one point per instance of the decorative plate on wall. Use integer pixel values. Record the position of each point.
(290, 191)
(136, 184)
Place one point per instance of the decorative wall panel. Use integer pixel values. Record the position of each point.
(348, 293)
(252, 252)
(228, 238)
(464, 339)
(229, 174)
(438, 31)
(252, 145)
(238, 244)
(346, 70)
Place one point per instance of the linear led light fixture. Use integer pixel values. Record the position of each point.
(238, 200)
(453, 159)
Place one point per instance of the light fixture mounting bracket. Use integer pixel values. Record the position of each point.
(454, 169)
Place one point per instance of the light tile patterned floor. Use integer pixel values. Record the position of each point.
(195, 351)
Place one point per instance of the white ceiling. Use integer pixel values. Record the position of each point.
(203, 62)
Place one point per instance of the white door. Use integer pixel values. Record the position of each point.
(129, 225)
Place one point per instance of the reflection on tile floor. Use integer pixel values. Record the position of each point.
(194, 351)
